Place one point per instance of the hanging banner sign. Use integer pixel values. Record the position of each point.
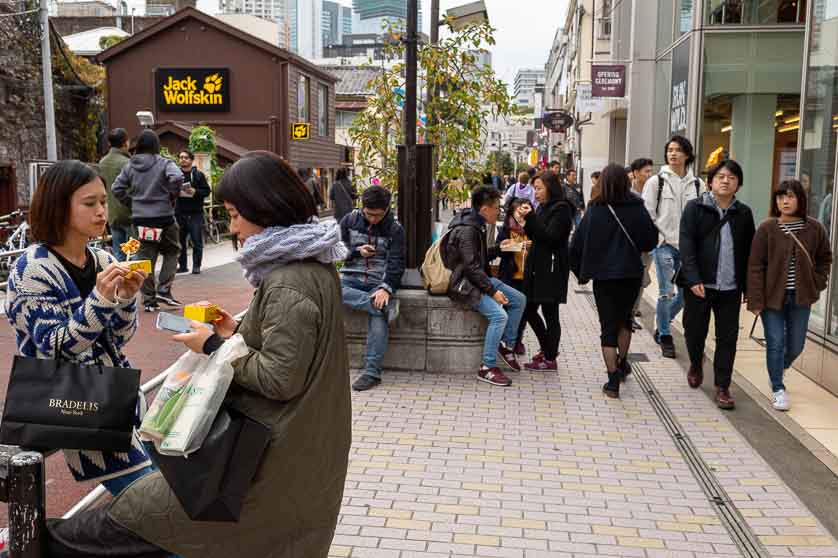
(678, 102)
(193, 89)
(558, 121)
(608, 80)
(585, 102)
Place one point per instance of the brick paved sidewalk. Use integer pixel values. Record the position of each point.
(446, 466)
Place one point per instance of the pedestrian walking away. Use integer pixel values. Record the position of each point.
(787, 270)
(522, 189)
(372, 273)
(513, 259)
(119, 215)
(151, 184)
(296, 367)
(574, 195)
(189, 211)
(606, 248)
(67, 300)
(466, 254)
(547, 268)
(343, 195)
(666, 196)
(715, 239)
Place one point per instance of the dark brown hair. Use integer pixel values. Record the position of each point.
(553, 184)
(49, 212)
(266, 191)
(796, 188)
(614, 185)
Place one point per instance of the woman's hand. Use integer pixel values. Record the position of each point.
(226, 325)
(108, 280)
(130, 284)
(698, 290)
(195, 339)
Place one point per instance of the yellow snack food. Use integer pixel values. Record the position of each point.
(203, 311)
(131, 247)
(141, 265)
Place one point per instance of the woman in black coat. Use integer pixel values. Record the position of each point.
(547, 270)
(606, 247)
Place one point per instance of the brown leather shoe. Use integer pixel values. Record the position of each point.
(724, 399)
(695, 376)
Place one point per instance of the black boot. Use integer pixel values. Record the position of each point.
(612, 387)
(623, 368)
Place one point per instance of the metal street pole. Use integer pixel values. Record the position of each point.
(46, 66)
(432, 90)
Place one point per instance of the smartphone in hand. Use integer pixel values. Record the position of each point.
(173, 323)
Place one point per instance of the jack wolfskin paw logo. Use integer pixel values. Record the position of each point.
(212, 83)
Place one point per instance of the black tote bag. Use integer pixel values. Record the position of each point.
(211, 483)
(60, 404)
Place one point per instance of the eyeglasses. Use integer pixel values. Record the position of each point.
(726, 178)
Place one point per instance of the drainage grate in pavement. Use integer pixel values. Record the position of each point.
(730, 516)
(638, 357)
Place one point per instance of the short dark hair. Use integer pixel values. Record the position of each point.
(596, 174)
(553, 184)
(117, 137)
(484, 195)
(49, 211)
(614, 185)
(376, 197)
(728, 164)
(554, 163)
(685, 146)
(796, 188)
(148, 143)
(640, 163)
(532, 171)
(191, 155)
(570, 171)
(341, 174)
(266, 191)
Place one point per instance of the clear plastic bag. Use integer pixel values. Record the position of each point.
(171, 396)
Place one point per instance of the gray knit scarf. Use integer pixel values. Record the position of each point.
(276, 246)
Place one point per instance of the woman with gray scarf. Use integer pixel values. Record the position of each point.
(295, 379)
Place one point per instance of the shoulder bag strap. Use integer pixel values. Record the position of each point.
(803, 248)
(660, 193)
(633, 245)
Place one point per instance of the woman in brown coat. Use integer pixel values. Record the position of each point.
(295, 379)
(787, 270)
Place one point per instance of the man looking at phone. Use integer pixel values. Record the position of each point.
(372, 273)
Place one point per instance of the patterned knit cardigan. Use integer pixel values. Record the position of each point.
(45, 307)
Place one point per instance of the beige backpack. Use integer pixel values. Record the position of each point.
(435, 276)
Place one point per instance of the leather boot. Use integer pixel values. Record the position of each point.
(695, 376)
(723, 398)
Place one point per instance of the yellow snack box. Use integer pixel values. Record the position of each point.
(141, 265)
(203, 311)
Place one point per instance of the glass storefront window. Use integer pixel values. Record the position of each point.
(820, 126)
(750, 108)
(666, 15)
(660, 134)
(754, 12)
(685, 16)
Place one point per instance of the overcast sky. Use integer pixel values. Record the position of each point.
(525, 29)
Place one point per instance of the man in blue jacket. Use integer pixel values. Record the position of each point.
(372, 273)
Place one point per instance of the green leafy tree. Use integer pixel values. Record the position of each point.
(506, 162)
(468, 94)
(108, 41)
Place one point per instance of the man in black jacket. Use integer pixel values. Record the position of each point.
(189, 211)
(465, 253)
(372, 273)
(715, 240)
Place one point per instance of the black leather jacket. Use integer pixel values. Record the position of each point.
(465, 253)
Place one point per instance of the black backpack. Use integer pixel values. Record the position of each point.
(696, 182)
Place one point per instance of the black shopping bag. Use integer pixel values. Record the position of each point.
(211, 483)
(60, 404)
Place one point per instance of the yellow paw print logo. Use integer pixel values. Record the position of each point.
(212, 83)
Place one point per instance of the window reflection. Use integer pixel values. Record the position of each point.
(755, 12)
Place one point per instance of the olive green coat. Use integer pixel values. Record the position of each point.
(110, 166)
(296, 380)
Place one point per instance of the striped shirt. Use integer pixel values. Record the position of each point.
(789, 229)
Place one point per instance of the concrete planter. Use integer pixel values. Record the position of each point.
(431, 334)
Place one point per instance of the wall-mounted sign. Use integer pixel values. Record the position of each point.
(193, 89)
(558, 121)
(608, 80)
(680, 88)
(300, 130)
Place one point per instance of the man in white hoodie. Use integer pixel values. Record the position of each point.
(666, 195)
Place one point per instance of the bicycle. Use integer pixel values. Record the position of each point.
(214, 228)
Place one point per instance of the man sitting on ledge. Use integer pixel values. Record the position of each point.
(372, 273)
(465, 253)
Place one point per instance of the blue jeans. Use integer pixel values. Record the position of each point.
(785, 335)
(503, 321)
(670, 296)
(356, 295)
(192, 227)
(119, 235)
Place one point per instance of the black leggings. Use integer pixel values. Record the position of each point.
(548, 335)
(614, 302)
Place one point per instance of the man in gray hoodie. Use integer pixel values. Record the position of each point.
(150, 185)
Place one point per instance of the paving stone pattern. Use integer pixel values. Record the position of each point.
(444, 466)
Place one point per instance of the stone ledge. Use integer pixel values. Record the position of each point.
(431, 334)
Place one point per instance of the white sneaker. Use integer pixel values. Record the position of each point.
(781, 401)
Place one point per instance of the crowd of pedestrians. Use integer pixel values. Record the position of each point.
(66, 299)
